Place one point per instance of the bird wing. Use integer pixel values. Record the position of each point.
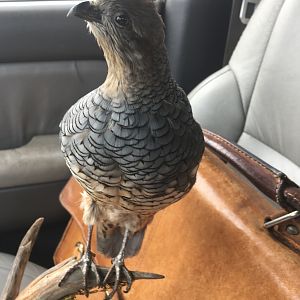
(143, 152)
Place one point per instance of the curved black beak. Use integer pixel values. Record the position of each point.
(86, 11)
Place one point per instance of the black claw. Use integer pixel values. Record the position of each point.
(122, 275)
(129, 279)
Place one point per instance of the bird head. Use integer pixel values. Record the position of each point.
(127, 30)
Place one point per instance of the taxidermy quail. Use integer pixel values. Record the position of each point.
(132, 143)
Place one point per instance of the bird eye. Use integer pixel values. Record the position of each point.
(122, 20)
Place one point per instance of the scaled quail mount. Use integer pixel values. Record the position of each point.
(132, 143)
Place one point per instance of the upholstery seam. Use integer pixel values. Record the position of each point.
(239, 91)
(288, 241)
(200, 86)
(263, 56)
(275, 150)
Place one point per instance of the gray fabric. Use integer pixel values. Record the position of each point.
(34, 96)
(266, 70)
(43, 32)
(29, 164)
(274, 111)
(47, 63)
(248, 56)
(217, 100)
(31, 272)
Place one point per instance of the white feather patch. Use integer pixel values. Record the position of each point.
(91, 210)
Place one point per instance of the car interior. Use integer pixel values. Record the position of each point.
(245, 89)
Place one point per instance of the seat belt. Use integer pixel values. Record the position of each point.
(241, 12)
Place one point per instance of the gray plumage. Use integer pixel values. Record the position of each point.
(132, 143)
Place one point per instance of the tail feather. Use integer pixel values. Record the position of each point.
(110, 245)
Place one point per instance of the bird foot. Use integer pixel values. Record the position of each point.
(118, 271)
(87, 266)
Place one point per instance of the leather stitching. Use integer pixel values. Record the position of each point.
(240, 151)
(288, 241)
(276, 176)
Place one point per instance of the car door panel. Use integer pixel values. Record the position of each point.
(35, 96)
(47, 63)
(40, 31)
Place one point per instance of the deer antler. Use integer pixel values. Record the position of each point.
(12, 286)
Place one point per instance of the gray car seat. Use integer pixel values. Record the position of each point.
(31, 272)
(255, 100)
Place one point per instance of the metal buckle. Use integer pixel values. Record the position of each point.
(282, 219)
(247, 9)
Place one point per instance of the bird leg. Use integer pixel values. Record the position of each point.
(86, 265)
(118, 267)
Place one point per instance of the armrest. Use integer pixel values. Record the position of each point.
(39, 161)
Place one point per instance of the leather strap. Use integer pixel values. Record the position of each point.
(287, 232)
(273, 183)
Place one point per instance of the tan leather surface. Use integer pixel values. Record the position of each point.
(210, 245)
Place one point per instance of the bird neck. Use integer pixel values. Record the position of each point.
(130, 73)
